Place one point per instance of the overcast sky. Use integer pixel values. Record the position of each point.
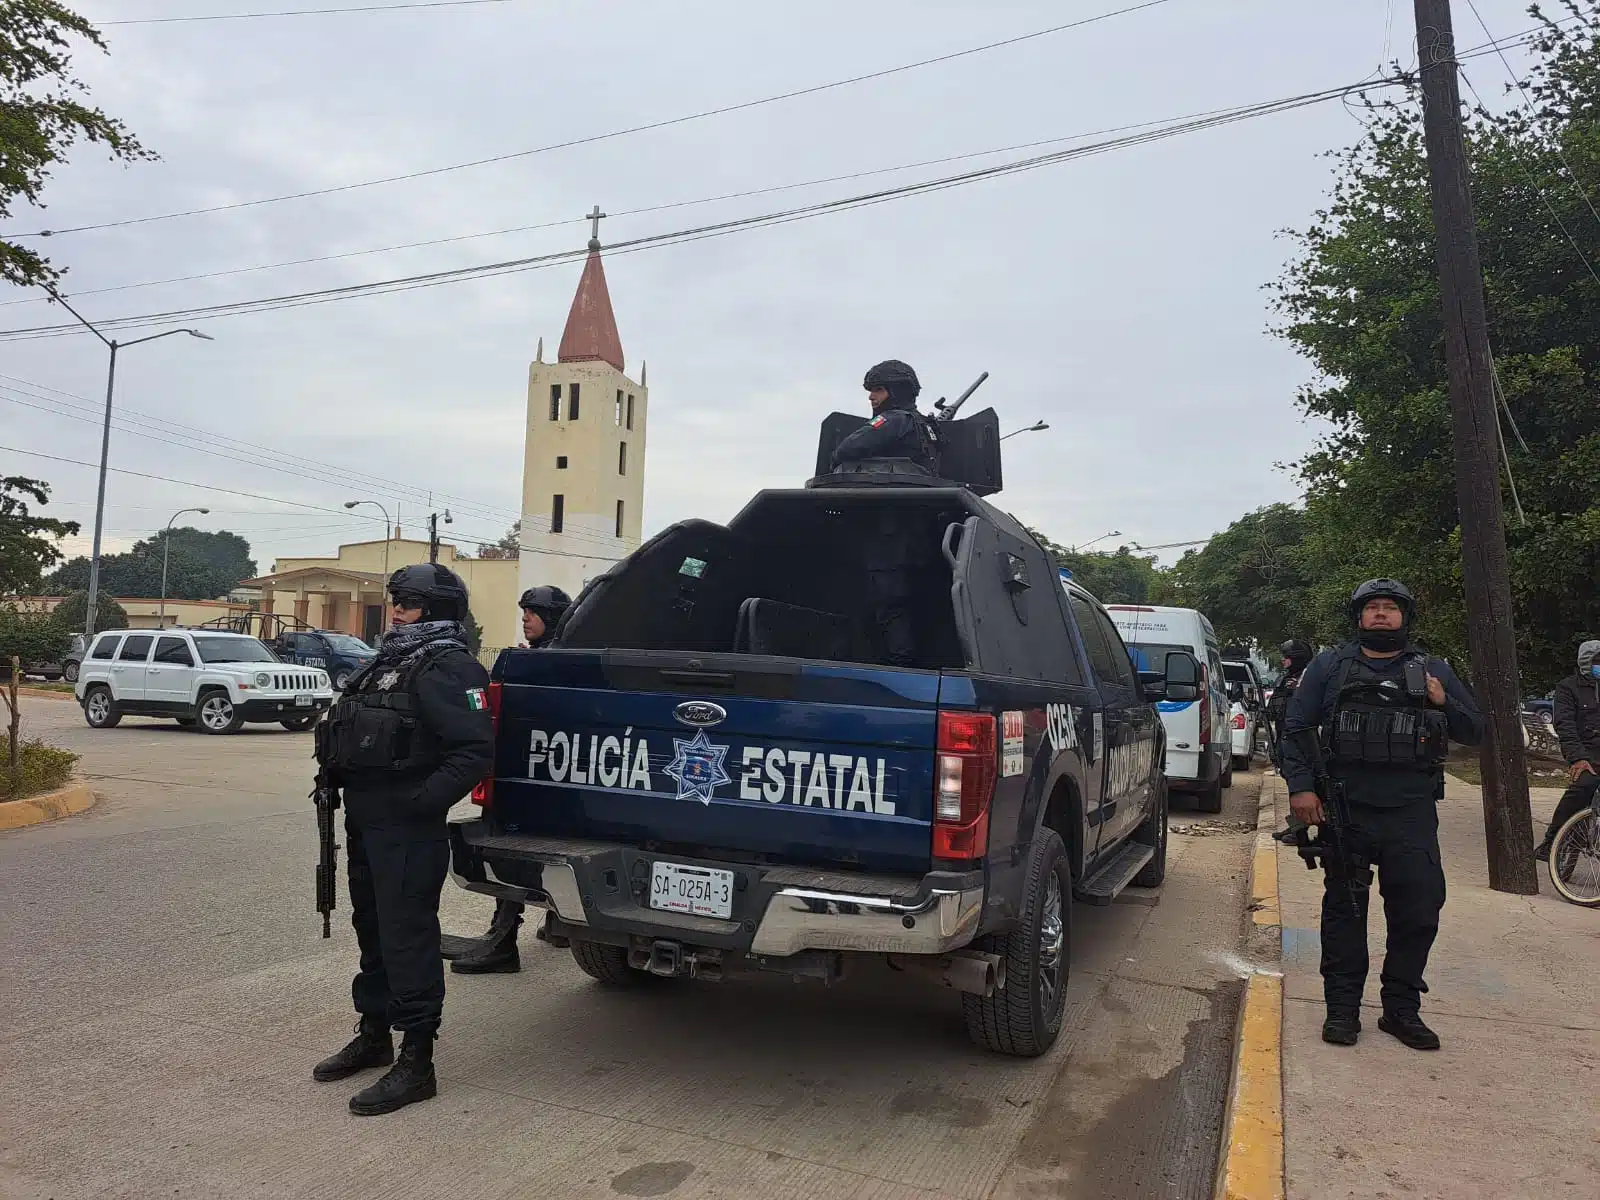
(1119, 297)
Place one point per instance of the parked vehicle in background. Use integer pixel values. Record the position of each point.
(1246, 705)
(341, 655)
(207, 678)
(1199, 742)
(65, 667)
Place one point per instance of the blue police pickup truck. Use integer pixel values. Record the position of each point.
(713, 773)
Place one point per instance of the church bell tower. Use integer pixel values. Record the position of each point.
(584, 444)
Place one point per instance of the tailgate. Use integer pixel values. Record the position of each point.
(777, 759)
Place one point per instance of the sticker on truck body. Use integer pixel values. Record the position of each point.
(1011, 760)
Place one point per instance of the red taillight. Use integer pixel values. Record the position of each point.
(963, 785)
(1238, 720)
(1205, 708)
(484, 793)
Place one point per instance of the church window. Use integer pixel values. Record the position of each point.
(630, 410)
(555, 402)
(619, 407)
(619, 518)
(572, 403)
(561, 462)
(622, 458)
(558, 514)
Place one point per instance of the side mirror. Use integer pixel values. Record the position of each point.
(1182, 676)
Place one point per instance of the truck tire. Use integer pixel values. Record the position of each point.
(608, 964)
(99, 709)
(1024, 1017)
(1154, 833)
(1209, 798)
(1225, 781)
(70, 672)
(217, 712)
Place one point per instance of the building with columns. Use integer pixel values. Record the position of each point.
(583, 445)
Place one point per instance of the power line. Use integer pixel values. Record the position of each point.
(303, 12)
(762, 220)
(590, 139)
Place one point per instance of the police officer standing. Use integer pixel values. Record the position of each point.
(496, 951)
(1296, 657)
(897, 430)
(1382, 712)
(410, 736)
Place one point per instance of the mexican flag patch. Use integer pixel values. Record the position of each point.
(476, 700)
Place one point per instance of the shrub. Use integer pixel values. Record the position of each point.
(40, 768)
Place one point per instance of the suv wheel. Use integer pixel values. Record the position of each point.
(218, 713)
(1024, 1017)
(1154, 833)
(1225, 781)
(99, 709)
(341, 681)
(70, 672)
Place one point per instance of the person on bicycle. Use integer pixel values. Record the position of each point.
(1577, 717)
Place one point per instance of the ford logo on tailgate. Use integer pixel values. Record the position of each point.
(702, 714)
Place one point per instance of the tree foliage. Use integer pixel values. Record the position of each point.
(1112, 577)
(41, 117)
(27, 541)
(71, 613)
(1249, 580)
(203, 566)
(1362, 303)
(510, 546)
(32, 637)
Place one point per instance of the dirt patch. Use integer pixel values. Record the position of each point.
(1211, 828)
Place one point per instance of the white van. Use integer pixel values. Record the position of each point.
(1199, 742)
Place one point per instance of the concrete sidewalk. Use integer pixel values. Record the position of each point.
(1510, 1106)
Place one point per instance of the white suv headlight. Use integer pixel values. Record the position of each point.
(263, 679)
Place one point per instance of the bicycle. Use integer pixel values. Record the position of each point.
(1575, 857)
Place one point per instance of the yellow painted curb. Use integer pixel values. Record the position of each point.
(63, 802)
(1252, 1155)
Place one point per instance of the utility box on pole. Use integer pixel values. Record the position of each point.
(1508, 822)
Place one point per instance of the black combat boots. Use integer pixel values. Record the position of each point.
(1408, 1027)
(496, 951)
(371, 1047)
(1342, 1028)
(409, 1080)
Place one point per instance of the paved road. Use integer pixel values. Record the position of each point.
(166, 992)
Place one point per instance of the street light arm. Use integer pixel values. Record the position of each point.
(169, 333)
(82, 320)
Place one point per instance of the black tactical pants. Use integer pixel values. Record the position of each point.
(1574, 800)
(396, 875)
(1403, 845)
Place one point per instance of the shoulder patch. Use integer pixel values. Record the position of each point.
(877, 422)
(476, 700)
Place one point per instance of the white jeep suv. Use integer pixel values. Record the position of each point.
(203, 677)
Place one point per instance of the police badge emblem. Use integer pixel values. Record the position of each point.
(387, 680)
(697, 766)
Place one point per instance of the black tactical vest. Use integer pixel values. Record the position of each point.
(374, 729)
(1376, 722)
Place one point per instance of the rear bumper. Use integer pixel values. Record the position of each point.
(601, 888)
(1190, 769)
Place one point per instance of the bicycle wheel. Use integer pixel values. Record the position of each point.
(1575, 859)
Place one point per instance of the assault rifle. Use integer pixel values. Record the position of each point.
(326, 798)
(1331, 849)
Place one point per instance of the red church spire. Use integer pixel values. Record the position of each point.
(591, 332)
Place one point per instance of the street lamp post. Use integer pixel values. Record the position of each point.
(387, 529)
(1036, 427)
(166, 553)
(105, 445)
(1101, 538)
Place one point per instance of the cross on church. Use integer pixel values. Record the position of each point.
(594, 227)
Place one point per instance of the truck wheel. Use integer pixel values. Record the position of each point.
(218, 713)
(341, 681)
(99, 709)
(1024, 1017)
(70, 672)
(1154, 833)
(1225, 781)
(1209, 797)
(608, 964)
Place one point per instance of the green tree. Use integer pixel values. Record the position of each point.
(1362, 302)
(509, 546)
(1249, 580)
(203, 566)
(40, 117)
(71, 612)
(27, 541)
(32, 637)
(1112, 577)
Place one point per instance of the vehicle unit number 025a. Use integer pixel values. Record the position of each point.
(703, 891)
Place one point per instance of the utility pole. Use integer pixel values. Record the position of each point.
(1507, 820)
(433, 534)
